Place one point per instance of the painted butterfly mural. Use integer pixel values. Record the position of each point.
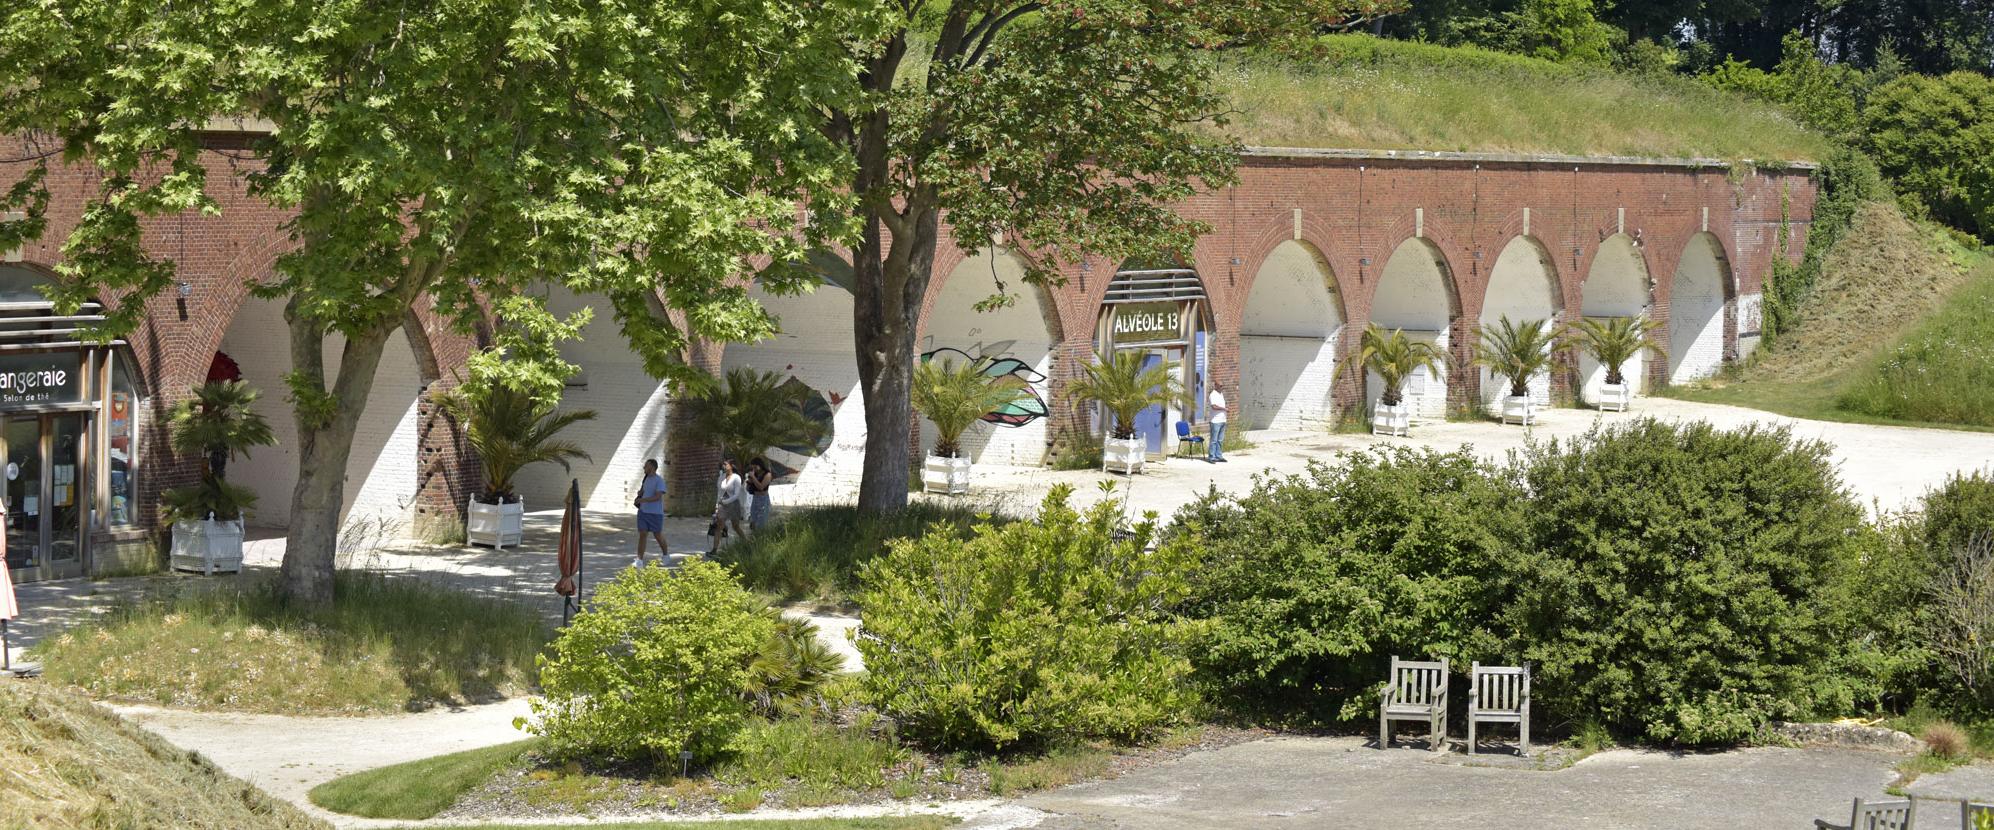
(1009, 371)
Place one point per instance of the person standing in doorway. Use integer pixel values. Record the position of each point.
(730, 503)
(760, 477)
(1215, 447)
(650, 512)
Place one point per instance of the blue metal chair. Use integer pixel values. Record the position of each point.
(1188, 444)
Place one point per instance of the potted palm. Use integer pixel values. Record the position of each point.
(216, 424)
(1613, 342)
(1123, 388)
(954, 396)
(510, 430)
(1394, 357)
(1517, 352)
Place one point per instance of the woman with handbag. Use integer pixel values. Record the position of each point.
(730, 504)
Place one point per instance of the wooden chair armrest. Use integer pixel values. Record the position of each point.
(1390, 692)
(1824, 824)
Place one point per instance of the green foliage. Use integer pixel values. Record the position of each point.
(1955, 534)
(956, 395)
(1935, 137)
(1848, 180)
(1313, 582)
(1564, 31)
(1517, 351)
(793, 667)
(416, 789)
(392, 644)
(217, 424)
(815, 553)
(1942, 372)
(658, 663)
(1680, 582)
(1614, 342)
(1821, 95)
(1394, 357)
(1123, 388)
(751, 411)
(773, 753)
(1030, 633)
(511, 430)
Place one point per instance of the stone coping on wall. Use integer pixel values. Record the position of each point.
(1514, 158)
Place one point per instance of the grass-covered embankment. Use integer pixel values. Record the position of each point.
(1899, 330)
(1364, 92)
(66, 764)
(388, 644)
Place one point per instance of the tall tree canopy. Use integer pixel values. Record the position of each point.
(455, 150)
(1063, 128)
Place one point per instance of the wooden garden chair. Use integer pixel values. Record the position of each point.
(1875, 815)
(1500, 694)
(1415, 691)
(1972, 814)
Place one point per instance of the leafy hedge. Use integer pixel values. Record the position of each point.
(1673, 583)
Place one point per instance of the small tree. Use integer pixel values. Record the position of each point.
(956, 395)
(511, 430)
(1517, 351)
(217, 423)
(1394, 357)
(1121, 385)
(1614, 342)
(751, 411)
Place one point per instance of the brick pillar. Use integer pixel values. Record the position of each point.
(448, 471)
(690, 462)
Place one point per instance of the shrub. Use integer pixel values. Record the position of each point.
(1312, 582)
(1946, 740)
(1029, 633)
(1680, 580)
(1958, 512)
(657, 664)
(816, 552)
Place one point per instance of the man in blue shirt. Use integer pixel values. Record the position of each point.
(650, 512)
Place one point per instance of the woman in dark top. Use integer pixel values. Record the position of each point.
(759, 479)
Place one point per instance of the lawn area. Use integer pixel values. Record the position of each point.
(814, 554)
(879, 823)
(389, 644)
(1383, 94)
(417, 789)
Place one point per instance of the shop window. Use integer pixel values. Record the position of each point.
(123, 425)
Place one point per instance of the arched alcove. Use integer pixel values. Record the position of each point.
(1696, 311)
(814, 347)
(1288, 338)
(1616, 286)
(382, 475)
(1017, 339)
(630, 408)
(1522, 287)
(1415, 294)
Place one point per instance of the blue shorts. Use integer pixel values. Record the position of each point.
(650, 522)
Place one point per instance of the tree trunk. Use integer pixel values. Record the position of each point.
(311, 543)
(887, 300)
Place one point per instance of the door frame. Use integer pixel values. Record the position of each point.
(46, 567)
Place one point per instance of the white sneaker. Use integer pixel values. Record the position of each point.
(637, 562)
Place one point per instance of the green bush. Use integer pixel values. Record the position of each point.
(659, 662)
(1933, 136)
(1681, 581)
(1029, 633)
(816, 552)
(1958, 512)
(1313, 582)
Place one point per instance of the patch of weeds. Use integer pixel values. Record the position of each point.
(1926, 763)
(566, 788)
(771, 753)
(1077, 457)
(1588, 740)
(741, 801)
(903, 789)
(1056, 768)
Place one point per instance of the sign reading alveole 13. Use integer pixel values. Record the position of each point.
(40, 377)
(1148, 322)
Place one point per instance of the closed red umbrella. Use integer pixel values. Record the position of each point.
(570, 554)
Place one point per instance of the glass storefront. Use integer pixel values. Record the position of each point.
(1159, 310)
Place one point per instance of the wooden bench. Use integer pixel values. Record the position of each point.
(1415, 691)
(1876, 815)
(1500, 694)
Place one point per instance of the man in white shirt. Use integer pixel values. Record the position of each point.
(1215, 446)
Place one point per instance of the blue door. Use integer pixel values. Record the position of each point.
(1149, 422)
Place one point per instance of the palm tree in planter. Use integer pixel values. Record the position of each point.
(1394, 358)
(510, 430)
(955, 395)
(217, 424)
(1123, 388)
(751, 411)
(1613, 342)
(1517, 352)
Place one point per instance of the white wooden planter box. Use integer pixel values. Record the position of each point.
(945, 475)
(1124, 455)
(1616, 397)
(1521, 409)
(497, 525)
(1392, 420)
(208, 546)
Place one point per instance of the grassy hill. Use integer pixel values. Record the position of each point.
(1900, 329)
(71, 765)
(1371, 93)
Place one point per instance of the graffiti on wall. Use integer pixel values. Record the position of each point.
(1028, 407)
